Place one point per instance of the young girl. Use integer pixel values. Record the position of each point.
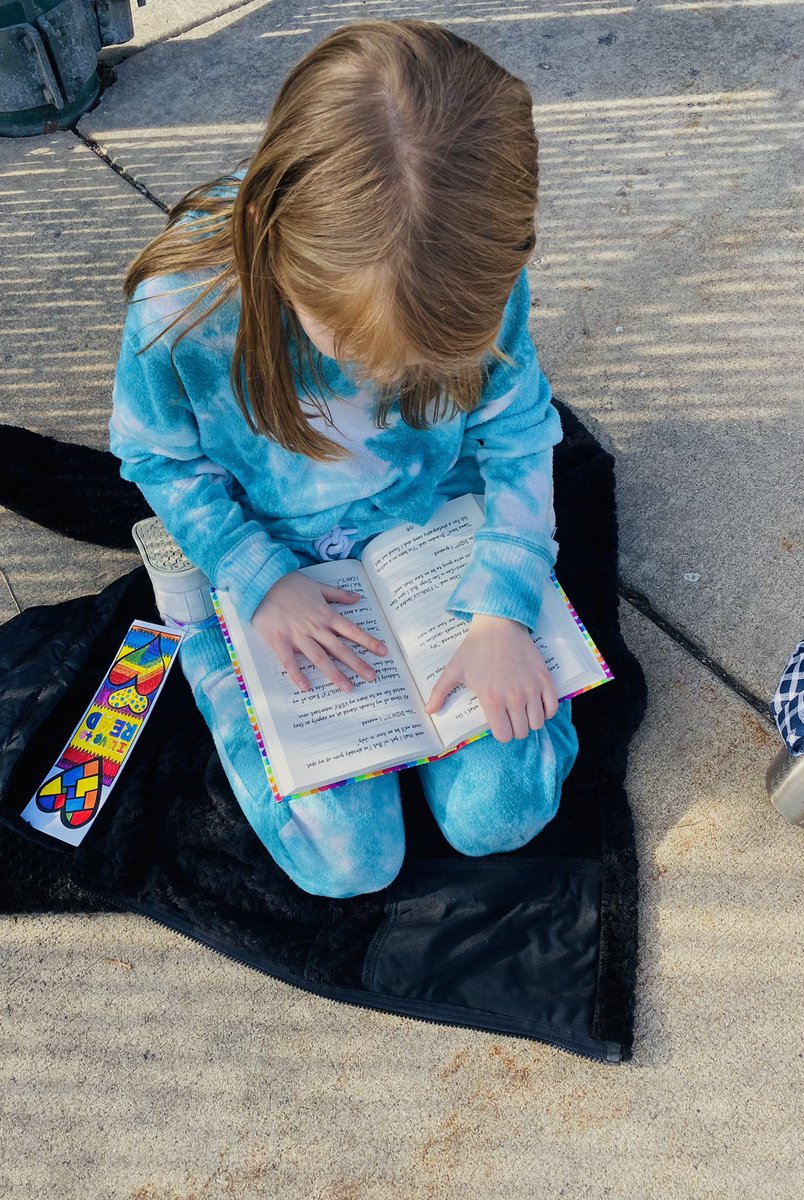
(325, 344)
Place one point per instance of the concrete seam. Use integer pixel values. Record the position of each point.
(643, 605)
(7, 582)
(92, 145)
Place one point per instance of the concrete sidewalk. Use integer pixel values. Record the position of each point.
(668, 315)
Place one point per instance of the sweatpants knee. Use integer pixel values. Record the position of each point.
(492, 797)
(342, 880)
(344, 843)
(476, 843)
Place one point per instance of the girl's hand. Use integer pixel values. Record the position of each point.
(502, 665)
(296, 614)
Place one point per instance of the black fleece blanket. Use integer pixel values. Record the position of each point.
(539, 943)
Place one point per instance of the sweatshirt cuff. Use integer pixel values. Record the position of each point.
(503, 578)
(250, 569)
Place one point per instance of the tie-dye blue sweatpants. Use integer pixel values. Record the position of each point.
(487, 798)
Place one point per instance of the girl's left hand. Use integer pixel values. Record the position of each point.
(499, 661)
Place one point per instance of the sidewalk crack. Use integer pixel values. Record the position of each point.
(6, 581)
(92, 145)
(643, 605)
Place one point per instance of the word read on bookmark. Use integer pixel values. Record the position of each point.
(78, 785)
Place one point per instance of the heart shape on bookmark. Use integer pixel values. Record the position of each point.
(136, 676)
(74, 793)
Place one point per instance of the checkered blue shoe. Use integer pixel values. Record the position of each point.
(788, 703)
(181, 590)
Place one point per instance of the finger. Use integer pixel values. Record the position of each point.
(287, 660)
(343, 654)
(550, 702)
(498, 719)
(442, 688)
(535, 713)
(336, 595)
(319, 658)
(362, 637)
(518, 716)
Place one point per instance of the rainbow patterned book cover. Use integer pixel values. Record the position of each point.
(401, 766)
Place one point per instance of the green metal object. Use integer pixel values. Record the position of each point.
(48, 60)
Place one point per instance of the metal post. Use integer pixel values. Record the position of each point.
(48, 59)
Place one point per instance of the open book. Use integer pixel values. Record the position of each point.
(325, 737)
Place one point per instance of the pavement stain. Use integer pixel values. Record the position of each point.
(748, 732)
(342, 1189)
(446, 1147)
(701, 830)
(489, 1076)
(517, 1072)
(580, 1107)
(222, 1183)
(758, 735)
(498, 1074)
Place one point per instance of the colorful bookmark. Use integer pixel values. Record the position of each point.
(77, 786)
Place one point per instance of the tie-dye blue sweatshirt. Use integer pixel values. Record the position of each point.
(247, 511)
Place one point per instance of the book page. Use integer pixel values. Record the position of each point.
(570, 661)
(414, 570)
(325, 735)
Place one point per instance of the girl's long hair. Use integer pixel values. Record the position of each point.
(392, 196)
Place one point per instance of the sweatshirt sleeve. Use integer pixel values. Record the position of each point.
(153, 431)
(511, 435)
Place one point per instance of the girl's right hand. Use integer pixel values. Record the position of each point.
(297, 614)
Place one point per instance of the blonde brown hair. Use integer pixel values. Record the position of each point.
(393, 197)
